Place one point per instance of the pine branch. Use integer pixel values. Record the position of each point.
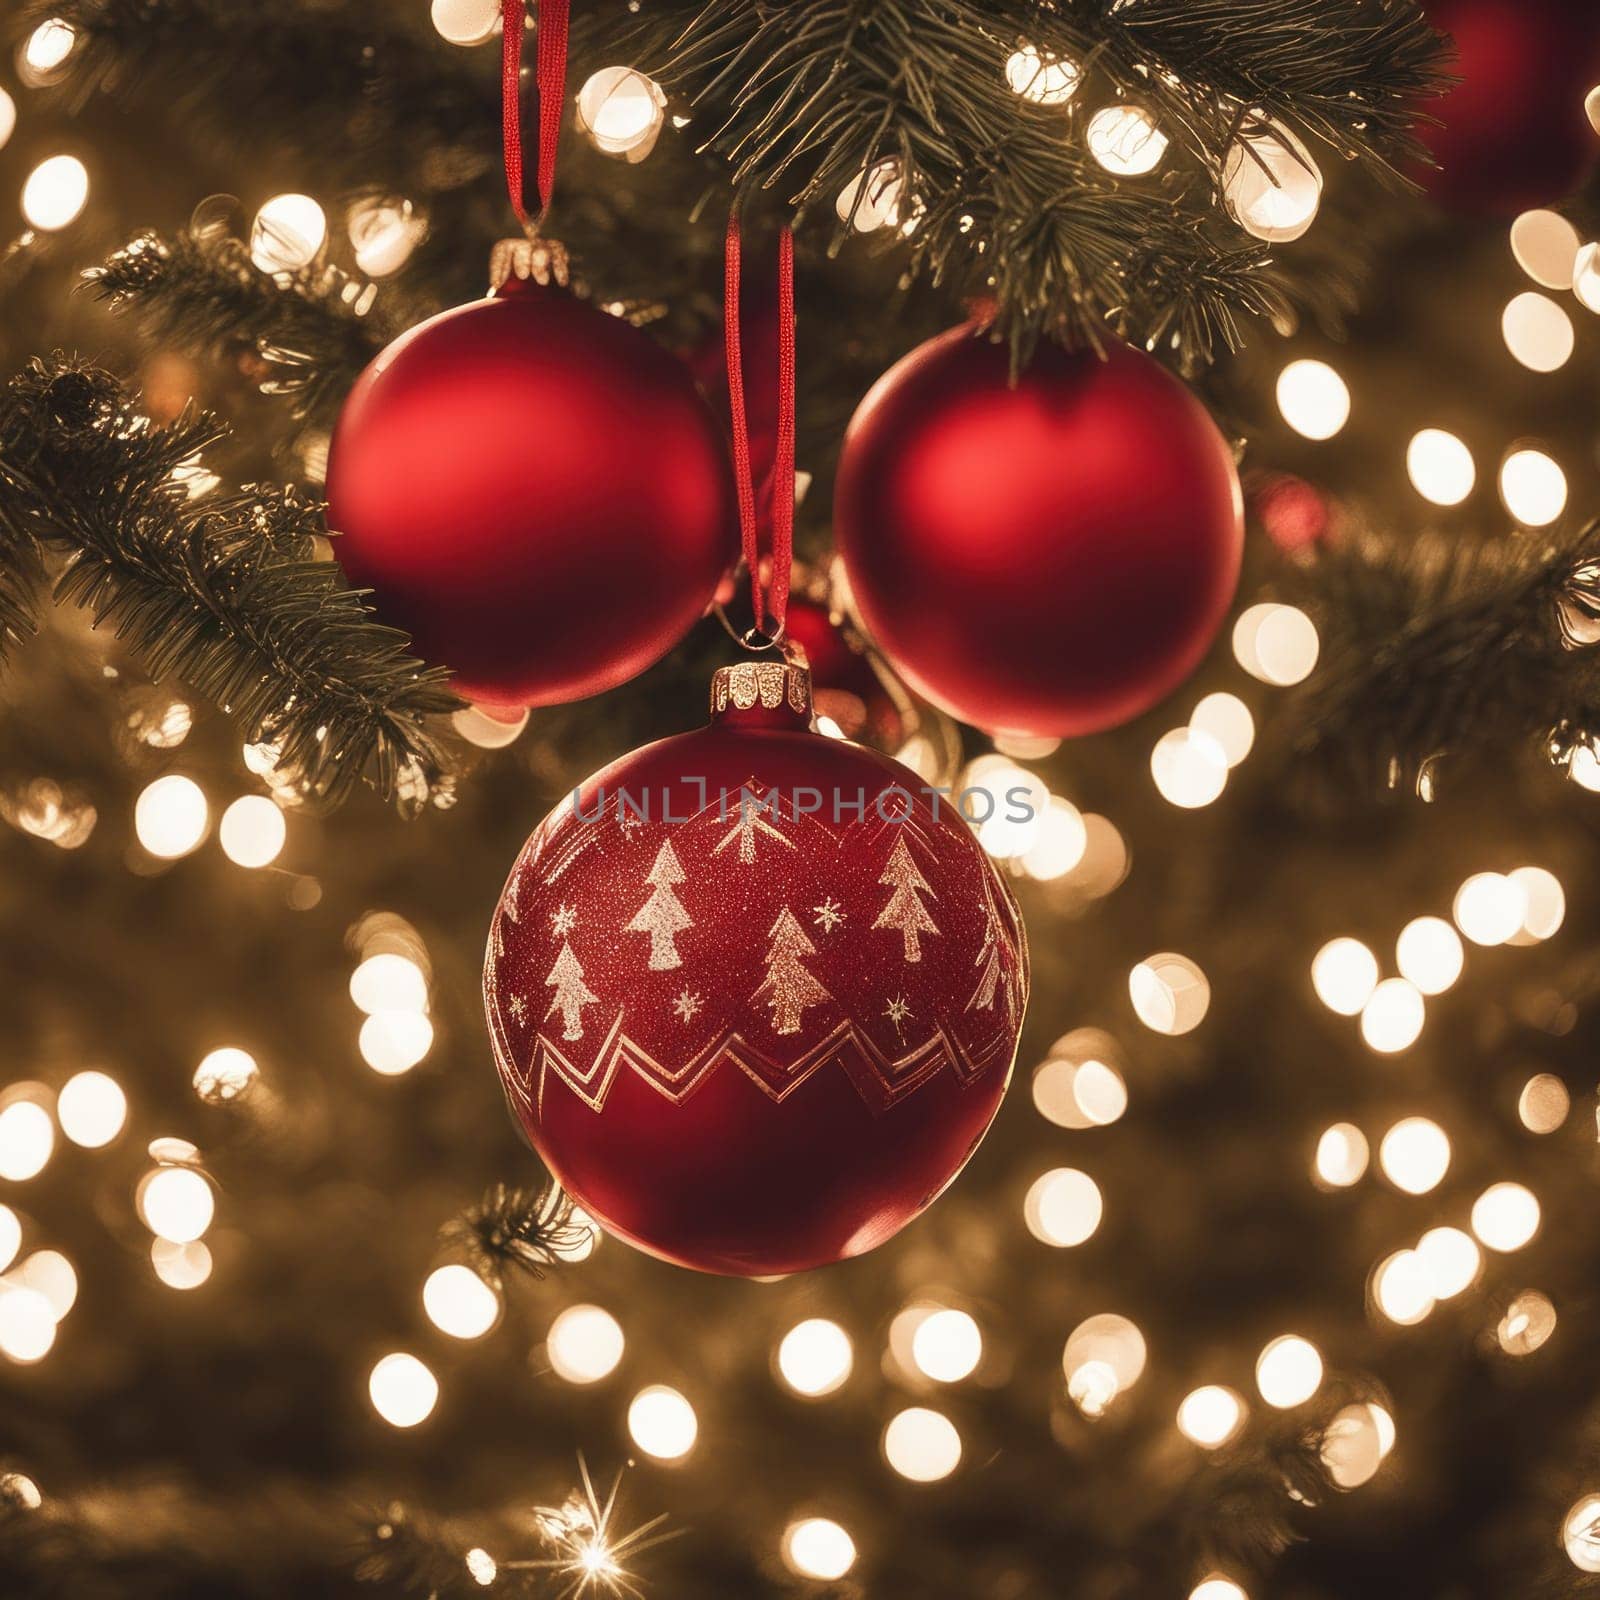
(225, 592)
(522, 1228)
(1448, 651)
(200, 289)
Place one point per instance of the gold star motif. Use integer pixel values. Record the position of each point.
(897, 1011)
(564, 920)
(686, 1005)
(828, 916)
(518, 1007)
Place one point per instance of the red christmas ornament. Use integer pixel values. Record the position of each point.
(536, 492)
(1049, 557)
(754, 996)
(1514, 132)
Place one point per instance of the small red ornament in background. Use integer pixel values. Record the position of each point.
(1295, 514)
(1051, 557)
(746, 1040)
(1514, 131)
(536, 492)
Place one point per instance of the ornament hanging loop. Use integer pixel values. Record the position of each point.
(550, 78)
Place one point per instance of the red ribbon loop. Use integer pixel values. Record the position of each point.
(781, 554)
(550, 78)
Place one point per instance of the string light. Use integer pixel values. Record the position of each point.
(880, 190)
(465, 22)
(10, 1236)
(815, 1357)
(1211, 1416)
(1545, 245)
(1490, 907)
(224, 1075)
(1529, 1321)
(181, 1266)
(1392, 1018)
(1124, 140)
(176, 1203)
(49, 1273)
(1538, 333)
(1226, 718)
(922, 1445)
(1277, 644)
(91, 1109)
(1288, 1371)
(1449, 1259)
(1440, 467)
(1353, 1445)
(662, 1423)
(1344, 972)
(1585, 277)
(1190, 768)
(1170, 993)
(45, 51)
(170, 817)
(816, 1547)
(487, 730)
(27, 1324)
(1063, 1207)
(1400, 1288)
(403, 1390)
(1270, 185)
(1543, 1104)
(1313, 399)
(389, 982)
(252, 831)
(55, 192)
(1533, 487)
(383, 233)
(1217, 1587)
(622, 111)
(1505, 1216)
(1546, 903)
(393, 1042)
(947, 1346)
(1414, 1155)
(1429, 954)
(288, 232)
(459, 1302)
(1104, 1357)
(1580, 1534)
(1046, 80)
(27, 1135)
(585, 1344)
(1060, 844)
(1341, 1157)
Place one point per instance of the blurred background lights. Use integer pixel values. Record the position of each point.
(1353, 1445)
(27, 1136)
(1505, 1216)
(1125, 141)
(1545, 901)
(922, 1444)
(1210, 1416)
(622, 112)
(1217, 1588)
(44, 50)
(585, 1344)
(1063, 1207)
(1010, 817)
(1341, 1157)
(1440, 467)
(1105, 1354)
(1060, 842)
(10, 1236)
(1344, 972)
(1046, 80)
(1533, 487)
(1077, 1086)
(1414, 1154)
(1270, 184)
(1277, 644)
(393, 1042)
(1545, 245)
(1226, 718)
(181, 1266)
(49, 1273)
(662, 1423)
(871, 199)
(459, 1302)
(1586, 277)
(224, 1074)
(1529, 1320)
(815, 1547)
(947, 1346)
(176, 1203)
(55, 192)
(8, 117)
(1170, 993)
(486, 730)
(1392, 1018)
(19, 1490)
(1288, 1371)
(91, 1109)
(1190, 768)
(27, 1324)
(1429, 954)
(1313, 399)
(383, 233)
(1400, 1288)
(1537, 332)
(389, 982)
(1580, 1534)
(1543, 1104)
(1449, 1259)
(252, 831)
(288, 232)
(403, 1390)
(815, 1357)
(1490, 907)
(170, 816)
(465, 22)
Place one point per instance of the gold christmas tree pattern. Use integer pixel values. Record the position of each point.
(662, 916)
(904, 910)
(790, 987)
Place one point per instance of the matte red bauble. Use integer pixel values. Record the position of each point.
(1514, 132)
(754, 995)
(1049, 557)
(536, 492)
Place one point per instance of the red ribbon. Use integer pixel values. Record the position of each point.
(550, 77)
(776, 603)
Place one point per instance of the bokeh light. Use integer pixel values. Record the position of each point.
(1400, 1288)
(1344, 972)
(393, 1042)
(49, 1273)
(1170, 993)
(947, 1346)
(1226, 718)
(1216, 1587)
(1490, 907)
(181, 1266)
(1505, 1216)
(1429, 954)
(459, 1302)
(815, 1357)
(585, 1344)
(1277, 644)
(1392, 1018)
(1538, 333)
(1210, 1416)
(1544, 1103)
(1546, 904)
(1580, 1533)
(403, 1390)
(1103, 1357)
(1288, 1371)
(622, 111)
(1415, 1154)
(1533, 487)
(170, 817)
(1450, 1260)
(10, 1236)
(225, 1074)
(816, 1547)
(55, 192)
(91, 1109)
(1440, 467)
(1313, 399)
(252, 831)
(1190, 768)
(1341, 1157)
(1060, 843)
(1528, 1322)
(1546, 247)
(1046, 80)
(922, 1445)
(662, 1423)
(27, 1135)
(288, 232)
(176, 1203)
(1063, 1207)
(1124, 140)
(389, 982)
(465, 22)
(1353, 1445)
(27, 1324)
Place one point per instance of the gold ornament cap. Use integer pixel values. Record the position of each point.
(762, 694)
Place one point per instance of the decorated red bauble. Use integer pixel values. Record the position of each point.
(536, 492)
(1513, 131)
(1049, 557)
(754, 994)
